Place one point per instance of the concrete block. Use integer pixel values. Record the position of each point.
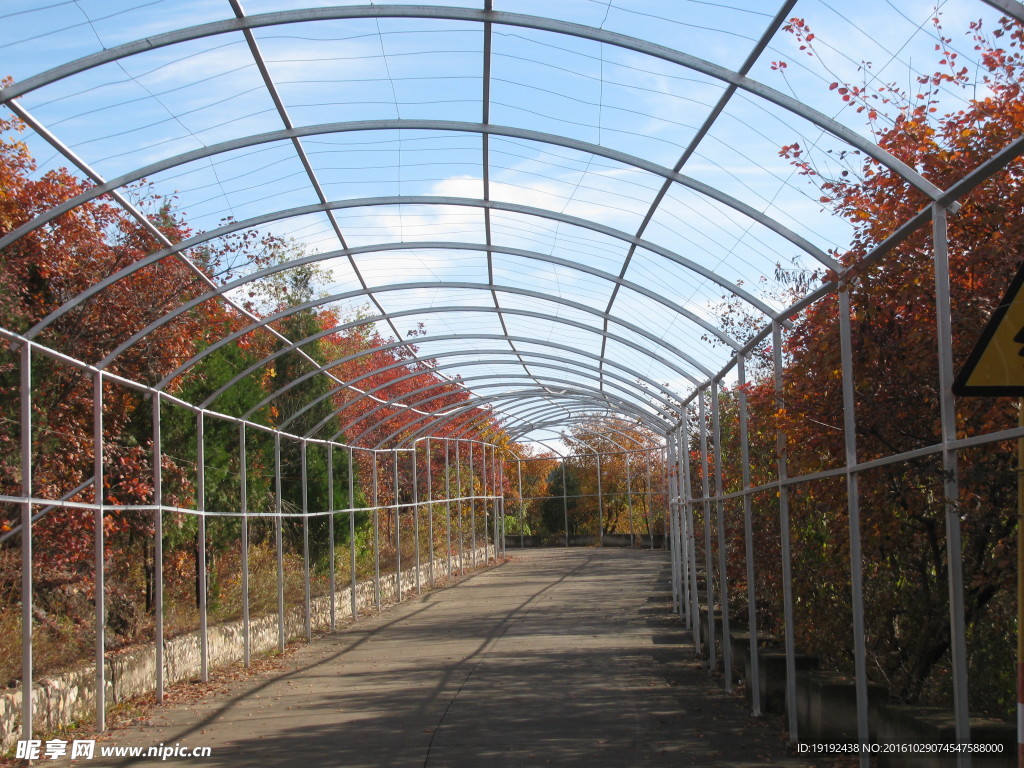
(772, 677)
(900, 724)
(827, 706)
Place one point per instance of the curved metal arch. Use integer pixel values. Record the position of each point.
(574, 392)
(570, 410)
(467, 409)
(549, 424)
(526, 409)
(435, 384)
(426, 245)
(473, 422)
(237, 226)
(441, 419)
(394, 344)
(405, 286)
(620, 433)
(632, 389)
(400, 124)
(283, 134)
(507, 352)
(588, 446)
(539, 413)
(615, 39)
(554, 451)
(534, 424)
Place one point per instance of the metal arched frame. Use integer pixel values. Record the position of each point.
(935, 213)
(565, 389)
(445, 337)
(555, 382)
(428, 245)
(538, 406)
(440, 420)
(622, 434)
(485, 17)
(486, 205)
(530, 408)
(600, 396)
(524, 429)
(184, 367)
(462, 353)
(460, 364)
(519, 431)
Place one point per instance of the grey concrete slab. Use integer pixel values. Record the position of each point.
(558, 657)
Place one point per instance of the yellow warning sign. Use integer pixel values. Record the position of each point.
(996, 365)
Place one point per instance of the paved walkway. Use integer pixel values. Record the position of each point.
(559, 657)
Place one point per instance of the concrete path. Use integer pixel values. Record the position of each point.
(559, 657)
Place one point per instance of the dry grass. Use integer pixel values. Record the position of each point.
(63, 635)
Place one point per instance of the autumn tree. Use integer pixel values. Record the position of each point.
(895, 367)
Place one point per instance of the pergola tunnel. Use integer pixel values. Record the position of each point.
(306, 310)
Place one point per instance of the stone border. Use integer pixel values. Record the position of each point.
(63, 699)
(827, 708)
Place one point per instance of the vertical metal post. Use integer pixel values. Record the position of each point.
(954, 549)
(484, 493)
(158, 549)
(675, 521)
(647, 498)
(629, 499)
(448, 505)
(709, 570)
(1020, 587)
(678, 480)
(600, 504)
(279, 542)
(416, 515)
(748, 537)
(204, 640)
(853, 503)
(304, 479)
(565, 503)
(330, 536)
(677, 529)
(496, 488)
(489, 505)
(687, 510)
(723, 573)
(430, 517)
(458, 483)
(784, 532)
(472, 505)
(665, 492)
(26, 542)
(398, 536)
(522, 504)
(352, 529)
(376, 535)
(244, 498)
(98, 499)
(665, 486)
(499, 474)
(674, 548)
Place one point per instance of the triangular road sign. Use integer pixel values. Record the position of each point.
(996, 364)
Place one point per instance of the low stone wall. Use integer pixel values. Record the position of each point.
(71, 697)
(638, 541)
(826, 704)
